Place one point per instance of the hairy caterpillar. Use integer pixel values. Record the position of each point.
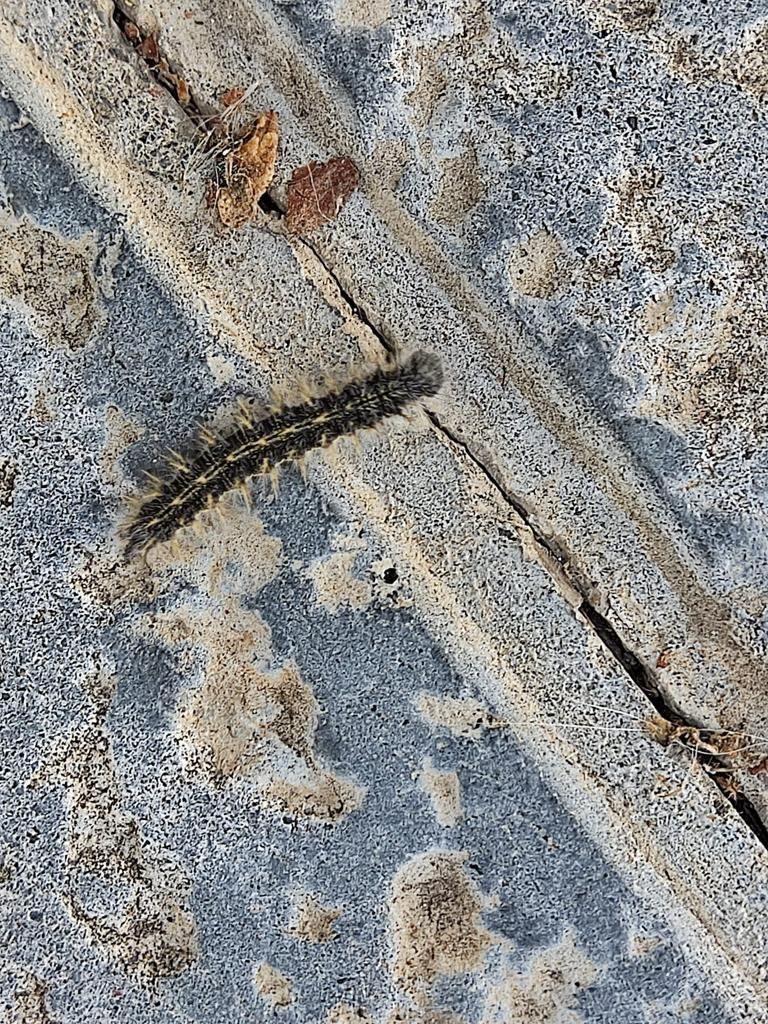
(258, 445)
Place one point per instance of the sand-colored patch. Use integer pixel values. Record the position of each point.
(460, 189)
(234, 717)
(538, 266)
(273, 986)
(104, 579)
(642, 945)
(435, 921)
(628, 15)
(230, 552)
(222, 370)
(42, 406)
(343, 1013)
(120, 433)
(747, 65)
(547, 993)
(247, 722)
(333, 574)
(335, 583)
(744, 66)
(312, 922)
(153, 933)
(423, 1015)
(461, 716)
(641, 206)
(444, 790)
(30, 1003)
(658, 314)
(320, 795)
(362, 13)
(708, 369)
(50, 280)
(228, 720)
(431, 82)
(100, 685)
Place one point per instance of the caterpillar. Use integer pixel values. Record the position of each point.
(258, 444)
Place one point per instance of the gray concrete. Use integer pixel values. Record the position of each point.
(355, 755)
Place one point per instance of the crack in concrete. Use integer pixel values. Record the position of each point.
(715, 766)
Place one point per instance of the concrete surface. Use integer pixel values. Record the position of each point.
(380, 749)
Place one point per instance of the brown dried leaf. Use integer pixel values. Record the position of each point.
(236, 203)
(232, 96)
(257, 153)
(211, 194)
(317, 192)
(664, 658)
(251, 171)
(149, 50)
(182, 92)
(131, 32)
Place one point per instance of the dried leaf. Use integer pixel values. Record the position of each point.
(232, 96)
(182, 92)
(236, 203)
(211, 194)
(317, 192)
(131, 32)
(257, 153)
(149, 50)
(251, 170)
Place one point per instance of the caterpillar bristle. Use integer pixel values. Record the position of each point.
(278, 400)
(260, 442)
(244, 416)
(176, 461)
(245, 493)
(207, 436)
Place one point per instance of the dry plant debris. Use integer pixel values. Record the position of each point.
(246, 170)
(148, 49)
(317, 192)
(244, 158)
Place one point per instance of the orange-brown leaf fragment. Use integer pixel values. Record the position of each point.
(232, 96)
(182, 92)
(317, 192)
(149, 50)
(257, 153)
(236, 202)
(251, 169)
(664, 658)
(131, 32)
